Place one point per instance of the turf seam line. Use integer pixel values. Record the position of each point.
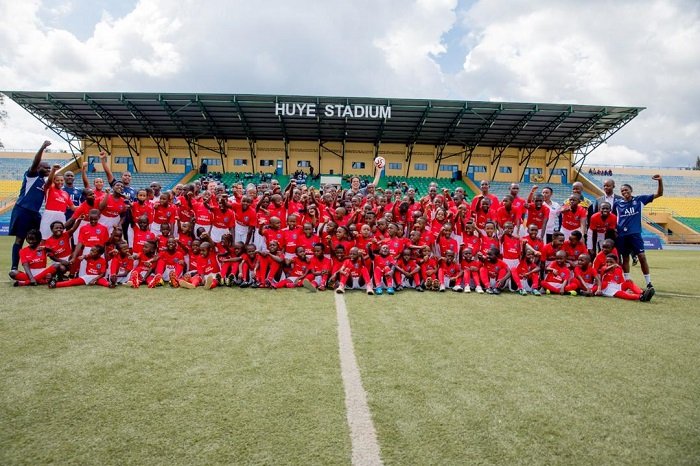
(363, 436)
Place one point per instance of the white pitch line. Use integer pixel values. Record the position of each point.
(363, 437)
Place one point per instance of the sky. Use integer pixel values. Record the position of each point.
(622, 53)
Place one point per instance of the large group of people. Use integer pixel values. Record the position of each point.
(270, 236)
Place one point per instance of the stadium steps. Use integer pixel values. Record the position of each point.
(674, 185)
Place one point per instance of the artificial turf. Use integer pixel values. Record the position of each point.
(99, 376)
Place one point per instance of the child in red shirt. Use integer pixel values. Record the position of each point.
(603, 225)
(449, 272)
(121, 265)
(170, 265)
(428, 270)
(33, 260)
(354, 268)
(143, 271)
(295, 270)
(494, 273)
(383, 266)
(470, 266)
(574, 247)
(319, 270)
(527, 274)
(95, 271)
(558, 276)
(407, 272)
(586, 277)
(615, 285)
(269, 264)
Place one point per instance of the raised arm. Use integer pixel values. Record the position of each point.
(52, 174)
(83, 174)
(34, 168)
(105, 167)
(660, 188)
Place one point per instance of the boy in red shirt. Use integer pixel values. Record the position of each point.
(573, 216)
(121, 265)
(586, 277)
(538, 213)
(33, 259)
(608, 247)
(449, 272)
(354, 268)
(268, 264)
(494, 273)
(428, 270)
(143, 270)
(319, 270)
(603, 225)
(527, 274)
(550, 250)
(295, 270)
(574, 248)
(407, 272)
(558, 277)
(171, 264)
(95, 271)
(615, 285)
(511, 246)
(470, 267)
(383, 266)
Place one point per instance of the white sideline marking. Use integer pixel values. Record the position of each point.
(363, 437)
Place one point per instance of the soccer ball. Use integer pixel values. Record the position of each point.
(379, 162)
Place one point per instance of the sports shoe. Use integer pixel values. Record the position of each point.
(340, 289)
(186, 284)
(522, 292)
(489, 290)
(457, 288)
(244, 284)
(308, 284)
(467, 289)
(442, 288)
(398, 288)
(572, 293)
(378, 291)
(647, 295)
(479, 289)
(173, 281)
(419, 289)
(496, 291)
(209, 282)
(52, 283)
(536, 293)
(649, 285)
(155, 281)
(370, 291)
(390, 290)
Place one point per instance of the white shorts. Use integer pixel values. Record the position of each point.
(217, 232)
(87, 278)
(110, 222)
(241, 233)
(611, 289)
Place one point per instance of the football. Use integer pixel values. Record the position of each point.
(379, 162)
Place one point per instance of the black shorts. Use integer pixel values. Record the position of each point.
(630, 244)
(23, 220)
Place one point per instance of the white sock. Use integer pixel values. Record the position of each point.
(647, 278)
(627, 276)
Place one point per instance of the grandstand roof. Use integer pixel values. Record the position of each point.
(560, 127)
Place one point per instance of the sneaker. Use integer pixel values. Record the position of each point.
(572, 293)
(398, 288)
(308, 284)
(378, 291)
(52, 283)
(647, 295)
(457, 288)
(244, 284)
(173, 281)
(255, 284)
(419, 289)
(442, 288)
(186, 284)
(522, 292)
(649, 285)
(370, 291)
(496, 291)
(155, 281)
(208, 282)
(340, 289)
(467, 289)
(479, 289)
(489, 290)
(536, 293)
(390, 290)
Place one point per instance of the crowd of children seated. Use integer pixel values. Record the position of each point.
(273, 237)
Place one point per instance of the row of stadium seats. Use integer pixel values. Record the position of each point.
(674, 185)
(679, 206)
(14, 168)
(560, 192)
(140, 180)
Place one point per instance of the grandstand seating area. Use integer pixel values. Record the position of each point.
(560, 192)
(692, 222)
(14, 168)
(679, 206)
(674, 185)
(141, 180)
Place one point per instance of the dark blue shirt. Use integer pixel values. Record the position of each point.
(76, 195)
(629, 214)
(31, 194)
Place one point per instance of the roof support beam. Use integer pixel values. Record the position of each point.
(148, 127)
(124, 134)
(508, 139)
(539, 138)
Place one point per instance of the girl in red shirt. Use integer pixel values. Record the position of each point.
(57, 202)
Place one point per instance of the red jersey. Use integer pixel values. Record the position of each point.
(446, 244)
(138, 209)
(164, 214)
(114, 207)
(396, 245)
(572, 252)
(549, 252)
(279, 212)
(322, 265)
(208, 264)
(171, 258)
(270, 234)
(511, 247)
(587, 275)
(354, 268)
(290, 239)
(248, 217)
(428, 264)
(495, 203)
(599, 261)
(526, 268)
(140, 238)
(35, 258)
(494, 268)
(488, 243)
(297, 267)
(504, 215)
(536, 244)
(384, 263)
(57, 199)
(93, 235)
(558, 274)
(572, 219)
(602, 225)
(120, 265)
(60, 248)
(308, 243)
(83, 210)
(614, 275)
(468, 265)
(406, 265)
(471, 241)
(537, 216)
(96, 266)
(202, 215)
(481, 218)
(450, 269)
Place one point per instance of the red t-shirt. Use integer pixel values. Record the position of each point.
(494, 268)
(60, 247)
(137, 210)
(140, 238)
(587, 275)
(537, 216)
(559, 273)
(571, 219)
(35, 258)
(114, 207)
(601, 225)
(95, 266)
(57, 199)
(93, 235)
(511, 247)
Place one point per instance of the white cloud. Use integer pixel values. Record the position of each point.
(611, 53)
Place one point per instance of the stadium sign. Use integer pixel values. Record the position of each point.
(311, 110)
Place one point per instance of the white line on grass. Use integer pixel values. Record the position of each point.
(365, 449)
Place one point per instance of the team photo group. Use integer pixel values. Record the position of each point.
(268, 236)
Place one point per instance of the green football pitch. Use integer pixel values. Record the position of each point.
(164, 376)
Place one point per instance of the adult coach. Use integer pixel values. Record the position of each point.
(25, 213)
(629, 226)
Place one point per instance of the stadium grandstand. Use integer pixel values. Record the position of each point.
(176, 138)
